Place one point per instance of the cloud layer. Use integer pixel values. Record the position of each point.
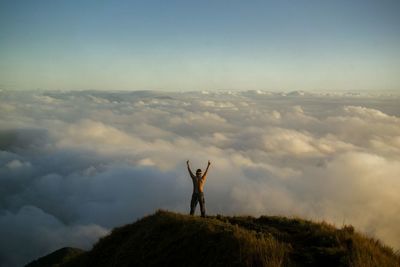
(73, 165)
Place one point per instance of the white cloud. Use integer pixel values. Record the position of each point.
(369, 113)
(285, 141)
(16, 164)
(39, 232)
(75, 164)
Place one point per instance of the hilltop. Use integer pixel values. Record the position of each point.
(172, 239)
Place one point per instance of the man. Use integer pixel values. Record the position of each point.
(198, 186)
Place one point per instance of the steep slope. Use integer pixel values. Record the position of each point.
(171, 239)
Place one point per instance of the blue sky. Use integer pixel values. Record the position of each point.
(197, 45)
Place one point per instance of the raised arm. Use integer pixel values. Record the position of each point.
(205, 173)
(190, 171)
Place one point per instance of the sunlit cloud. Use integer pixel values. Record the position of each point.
(73, 165)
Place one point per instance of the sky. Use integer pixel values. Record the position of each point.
(200, 45)
(76, 164)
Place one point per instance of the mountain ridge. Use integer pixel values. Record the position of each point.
(171, 239)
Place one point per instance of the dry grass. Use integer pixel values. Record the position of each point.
(171, 239)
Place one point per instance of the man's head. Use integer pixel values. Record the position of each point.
(198, 172)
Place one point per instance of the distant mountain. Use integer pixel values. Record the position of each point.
(56, 258)
(297, 93)
(171, 239)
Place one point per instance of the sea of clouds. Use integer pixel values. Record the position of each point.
(73, 165)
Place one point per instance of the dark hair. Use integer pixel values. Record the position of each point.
(198, 170)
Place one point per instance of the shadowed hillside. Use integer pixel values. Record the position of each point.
(56, 258)
(171, 239)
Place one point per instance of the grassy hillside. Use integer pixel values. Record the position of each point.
(171, 239)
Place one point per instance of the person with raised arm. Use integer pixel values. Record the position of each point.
(198, 186)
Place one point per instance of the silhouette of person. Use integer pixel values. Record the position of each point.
(198, 186)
